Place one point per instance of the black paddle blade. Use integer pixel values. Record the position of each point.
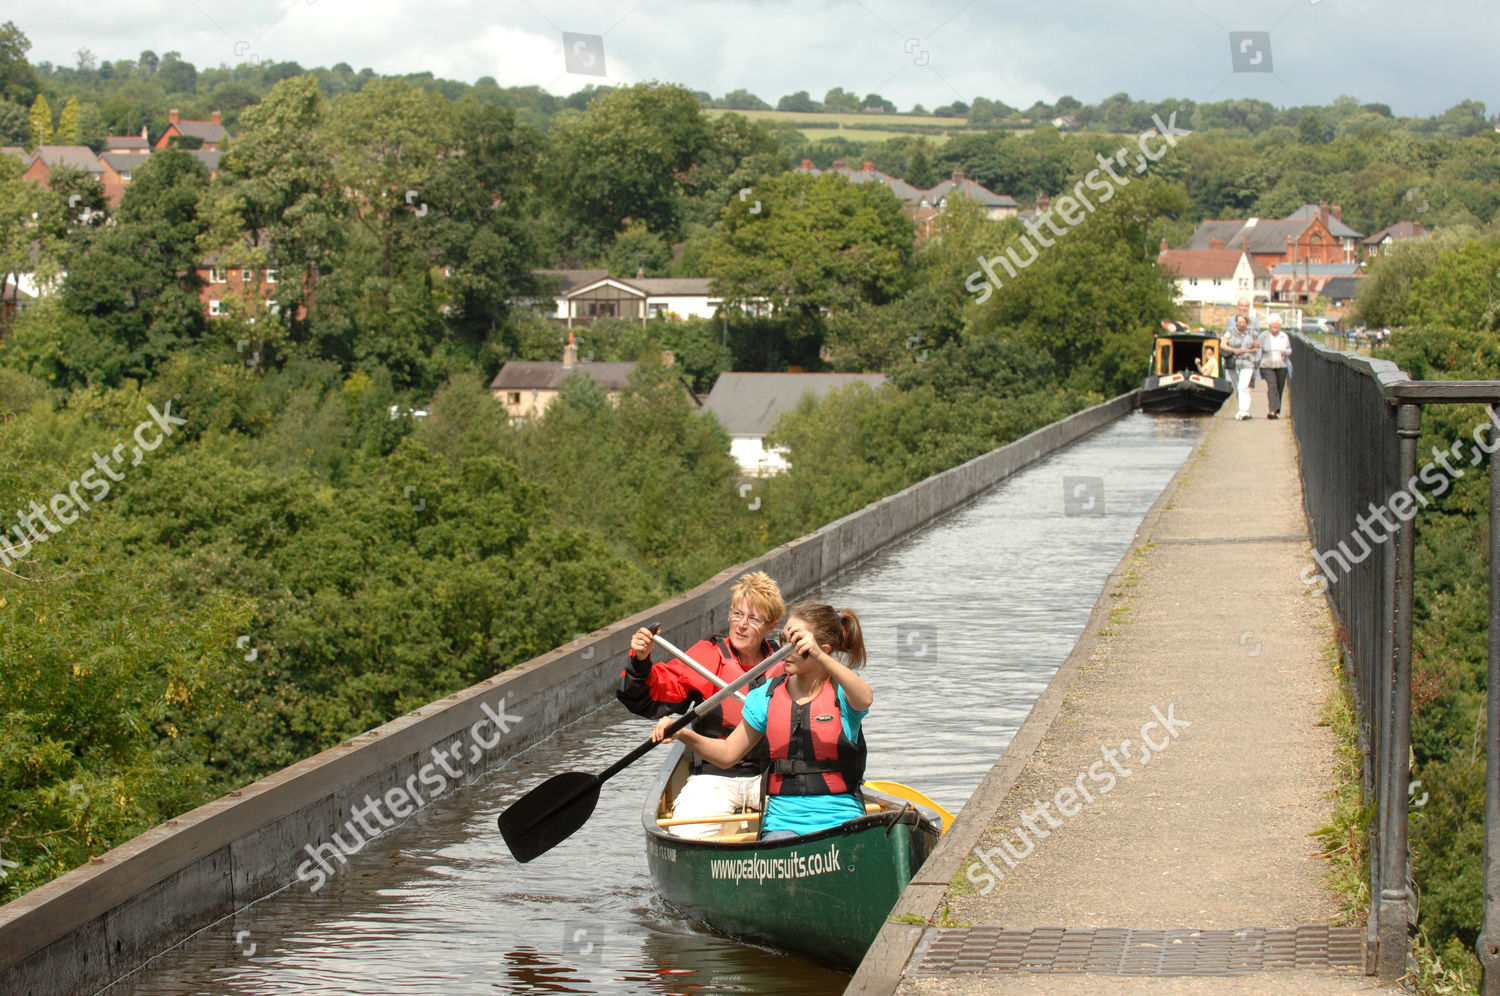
(549, 814)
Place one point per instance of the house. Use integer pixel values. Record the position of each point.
(1380, 243)
(1300, 283)
(1333, 217)
(1271, 242)
(1341, 290)
(1216, 276)
(211, 131)
(748, 405)
(119, 166)
(46, 158)
(528, 387)
(135, 144)
(220, 279)
(19, 292)
(996, 206)
(583, 296)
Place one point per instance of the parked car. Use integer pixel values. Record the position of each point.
(1318, 326)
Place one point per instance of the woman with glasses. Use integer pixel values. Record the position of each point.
(665, 688)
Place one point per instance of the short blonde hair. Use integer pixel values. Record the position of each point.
(761, 592)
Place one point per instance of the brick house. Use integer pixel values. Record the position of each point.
(211, 131)
(1333, 217)
(48, 157)
(1270, 242)
(221, 280)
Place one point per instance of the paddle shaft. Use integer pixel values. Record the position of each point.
(665, 644)
(699, 709)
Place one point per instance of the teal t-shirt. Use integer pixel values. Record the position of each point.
(806, 813)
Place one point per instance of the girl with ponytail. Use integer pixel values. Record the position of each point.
(810, 717)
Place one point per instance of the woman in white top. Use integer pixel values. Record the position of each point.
(1275, 364)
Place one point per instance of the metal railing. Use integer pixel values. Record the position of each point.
(1356, 421)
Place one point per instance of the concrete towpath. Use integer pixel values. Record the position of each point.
(1172, 776)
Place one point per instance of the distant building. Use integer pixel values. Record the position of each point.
(46, 158)
(528, 387)
(1216, 276)
(748, 405)
(1381, 242)
(1300, 283)
(1341, 291)
(584, 296)
(210, 131)
(1297, 240)
(1333, 217)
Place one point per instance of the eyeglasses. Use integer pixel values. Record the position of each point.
(754, 622)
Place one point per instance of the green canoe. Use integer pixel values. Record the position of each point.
(824, 895)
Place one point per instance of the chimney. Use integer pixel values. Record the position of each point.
(172, 115)
(570, 354)
(216, 117)
(1337, 211)
(143, 133)
(640, 271)
(869, 166)
(1043, 202)
(1323, 213)
(958, 176)
(839, 164)
(807, 164)
(1216, 243)
(1163, 243)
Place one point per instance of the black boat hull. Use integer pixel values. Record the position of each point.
(1185, 393)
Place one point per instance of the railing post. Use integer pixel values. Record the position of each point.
(1488, 944)
(1393, 896)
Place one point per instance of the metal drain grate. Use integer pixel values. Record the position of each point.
(1119, 951)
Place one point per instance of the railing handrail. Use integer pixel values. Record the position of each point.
(1383, 679)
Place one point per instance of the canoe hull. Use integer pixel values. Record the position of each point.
(823, 895)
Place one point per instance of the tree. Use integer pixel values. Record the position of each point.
(148, 61)
(41, 122)
(25, 245)
(876, 101)
(840, 101)
(743, 100)
(15, 124)
(68, 132)
(626, 157)
(638, 248)
(798, 101)
(278, 178)
(817, 242)
(176, 75)
(134, 290)
(18, 82)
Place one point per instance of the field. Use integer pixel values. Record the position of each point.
(861, 127)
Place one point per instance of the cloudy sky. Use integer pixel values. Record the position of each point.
(1420, 58)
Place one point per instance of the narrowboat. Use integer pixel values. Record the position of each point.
(824, 895)
(1186, 374)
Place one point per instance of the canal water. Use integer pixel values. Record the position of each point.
(965, 623)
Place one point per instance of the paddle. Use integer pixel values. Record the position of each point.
(661, 641)
(912, 795)
(553, 811)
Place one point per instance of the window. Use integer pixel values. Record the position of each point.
(273, 307)
(513, 397)
(271, 275)
(213, 306)
(604, 309)
(658, 309)
(247, 275)
(218, 275)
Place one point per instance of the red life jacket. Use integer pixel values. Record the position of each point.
(810, 755)
(722, 719)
